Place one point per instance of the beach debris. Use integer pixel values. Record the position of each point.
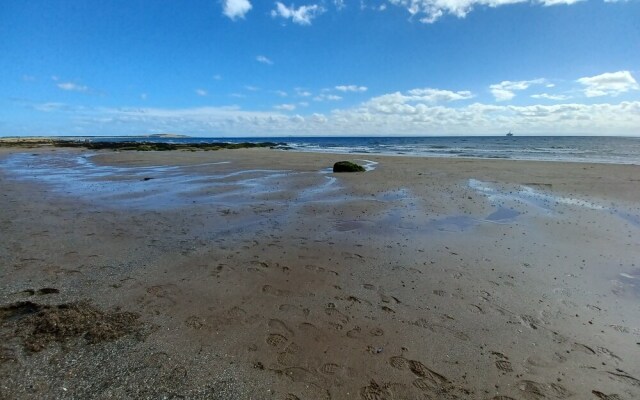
(347, 166)
(40, 325)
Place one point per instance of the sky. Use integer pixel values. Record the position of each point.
(229, 68)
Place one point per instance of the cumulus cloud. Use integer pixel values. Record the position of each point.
(608, 84)
(72, 87)
(438, 96)
(397, 102)
(201, 92)
(303, 92)
(285, 107)
(505, 90)
(351, 88)
(429, 11)
(556, 97)
(548, 3)
(327, 97)
(235, 9)
(264, 60)
(390, 114)
(301, 15)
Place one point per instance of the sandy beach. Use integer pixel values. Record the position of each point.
(260, 274)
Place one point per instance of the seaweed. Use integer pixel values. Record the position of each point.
(133, 145)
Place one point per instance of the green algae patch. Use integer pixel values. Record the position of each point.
(131, 145)
(347, 166)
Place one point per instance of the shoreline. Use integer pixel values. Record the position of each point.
(153, 143)
(255, 274)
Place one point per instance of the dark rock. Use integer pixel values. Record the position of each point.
(347, 166)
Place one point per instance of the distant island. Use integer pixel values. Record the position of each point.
(166, 136)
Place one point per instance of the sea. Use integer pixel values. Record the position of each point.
(616, 150)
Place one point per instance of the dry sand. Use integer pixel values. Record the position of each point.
(258, 274)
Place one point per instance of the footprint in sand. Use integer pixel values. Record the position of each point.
(376, 332)
(603, 396)
(195, 322)
(279, 325)
(624, 378)
(236, 313)
(376, 392)
(502, 362)
(277, 340)
(399, 362)
(534, 390)
(354, 333)
(294, 310)
(441, 329)
(288, 359)
(422, 371)
(270, 290)
(504, 366)
(531, 322)
(330, 369)
(332, 312)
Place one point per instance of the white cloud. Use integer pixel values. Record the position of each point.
(235, 9)
(302, 92)
(351, 88)
(556, 97)
(28, 78)
(301, 15)
(608, 84)
(439, 96)
(285, 107)
(72, 87)
(394, 116)
(252, 88)
(201, 92)
(394, 102)
(217, 77)
(143, 96)
(505, 90)
(429, 11)
(281, 93)
(327, 97)
(548, 3)
(264, 60)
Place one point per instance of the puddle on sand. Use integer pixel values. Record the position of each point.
(158, 187)
(530, 196)
(628, 282)
(545, 202)
(406, 214)
(502, 215)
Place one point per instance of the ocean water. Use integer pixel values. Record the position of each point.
(617, 150)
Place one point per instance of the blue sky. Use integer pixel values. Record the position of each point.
(319, 67)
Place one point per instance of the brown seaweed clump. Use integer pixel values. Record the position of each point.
(40, 325)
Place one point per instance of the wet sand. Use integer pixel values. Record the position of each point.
(259, 274)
